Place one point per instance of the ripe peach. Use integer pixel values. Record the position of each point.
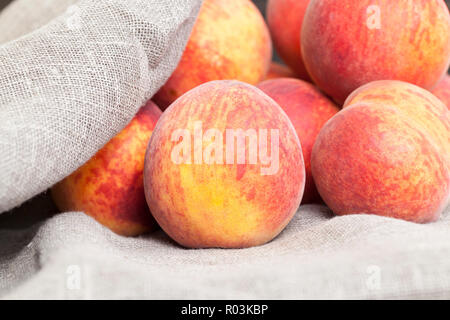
(347, 43)
(386, 153)
(109, 187)
(442, 90)
(230, 40)
(224, 168)
(278, 70)
(418, 104)
(308, 109)
(285, 18)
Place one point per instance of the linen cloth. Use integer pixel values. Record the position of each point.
(70, 256)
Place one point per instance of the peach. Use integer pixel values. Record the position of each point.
(224, 168)
(308, 109)
(285, 18)
(109, 187)
(278, 70)
(386, 153)
(442, 90)
(347, 43)
(418, 104)
(230, 40)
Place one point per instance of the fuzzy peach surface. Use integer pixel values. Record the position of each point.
(386, 153)
(308, 109)
(347, 43)
(109, 187)
(230, 40)
(223, 205)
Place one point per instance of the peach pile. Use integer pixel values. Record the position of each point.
(109, 187)
(308, 109)
(242, 141)
(386, 153)
(199, 190)
(230, 41)
(347, 43)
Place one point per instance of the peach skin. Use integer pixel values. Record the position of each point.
(278, 70)
(386, 153)
(416, 103)
(442, 90)
(285, 19)
(224, 168)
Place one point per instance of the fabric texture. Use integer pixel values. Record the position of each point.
(67, 88)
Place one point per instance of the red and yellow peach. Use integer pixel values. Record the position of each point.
(278, 70)
(109, 187)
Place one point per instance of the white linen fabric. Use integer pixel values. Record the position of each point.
(66, 88)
